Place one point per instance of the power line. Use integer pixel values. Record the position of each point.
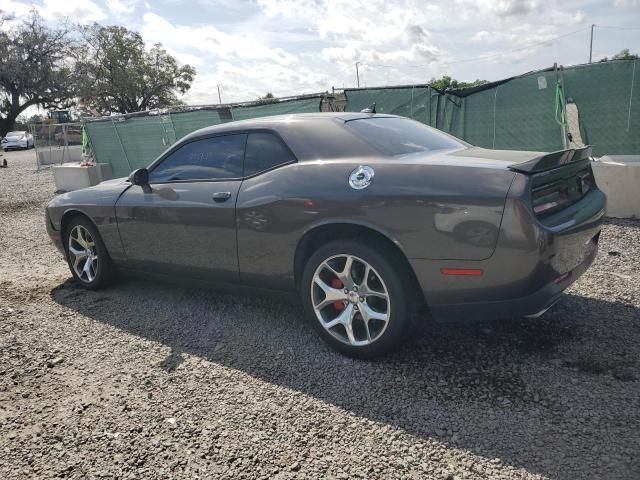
(483, 57)
(618, 28)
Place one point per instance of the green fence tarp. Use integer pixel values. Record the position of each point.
(107, 148)
(412, 102)
(608, 100)
(143, 139)
(519, 113)
(127, 143)
(525, 114)
(187, 122)
(303, 105)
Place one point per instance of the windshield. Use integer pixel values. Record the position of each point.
(15, 134)
(401, 136)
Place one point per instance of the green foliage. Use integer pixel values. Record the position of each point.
(448, 83)
(23, 122)
(38, 67)
(268, 98)
(123, 77)
(624, 54)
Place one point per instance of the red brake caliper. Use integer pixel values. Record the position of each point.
(336, 283)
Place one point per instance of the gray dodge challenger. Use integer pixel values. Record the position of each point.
(366, 217)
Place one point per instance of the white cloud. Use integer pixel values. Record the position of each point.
(83, 11)
(365, 30)
(502, 7)
(209, 40)
(300, 46)
(289, 8)
(77, 10)
(529, 34)
(18, 9)
(252, 80)
(120, 7)
(627, 3)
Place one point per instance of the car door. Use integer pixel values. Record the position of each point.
(185, 223)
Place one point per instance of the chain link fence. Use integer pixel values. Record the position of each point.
(57, 143)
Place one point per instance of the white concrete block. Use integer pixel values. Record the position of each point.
(71, 176)
(618, 176)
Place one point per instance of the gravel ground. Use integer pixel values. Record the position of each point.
(145, 380)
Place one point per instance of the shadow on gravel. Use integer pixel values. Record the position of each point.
(502, 389)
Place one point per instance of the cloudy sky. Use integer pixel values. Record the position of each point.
(288, 47)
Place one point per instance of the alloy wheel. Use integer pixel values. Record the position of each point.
(350, 299)
(83, 254)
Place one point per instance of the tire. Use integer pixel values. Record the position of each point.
(81, 235)
(387, 275)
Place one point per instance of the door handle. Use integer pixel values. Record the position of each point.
(221, 196)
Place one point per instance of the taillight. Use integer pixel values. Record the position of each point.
(550, 198)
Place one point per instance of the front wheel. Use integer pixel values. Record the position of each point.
(356, 297)
(87, 255)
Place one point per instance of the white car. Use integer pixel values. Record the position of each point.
(17, 139)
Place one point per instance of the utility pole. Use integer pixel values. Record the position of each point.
(219, 97)
(591, 43)
(358, 74)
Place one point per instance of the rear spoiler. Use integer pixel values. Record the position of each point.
(552, 160)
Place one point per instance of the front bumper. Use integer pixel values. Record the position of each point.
(55, 235)
(532, 265)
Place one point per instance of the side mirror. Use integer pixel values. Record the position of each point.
(139, 177)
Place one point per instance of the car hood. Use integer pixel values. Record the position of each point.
(13, 138)
(115, 181)
(105, 193)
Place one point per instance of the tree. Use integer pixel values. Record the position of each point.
(268, 98)
(624, 54)
(448, 83)
(124, 77)
(37, 68)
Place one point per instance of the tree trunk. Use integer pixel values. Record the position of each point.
(6, 124)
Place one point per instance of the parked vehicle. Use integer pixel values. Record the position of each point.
(362, 215)
(19, 139)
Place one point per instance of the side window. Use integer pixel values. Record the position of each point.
(264, 151)
(207, 159)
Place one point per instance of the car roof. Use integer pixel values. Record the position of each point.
(275, 120)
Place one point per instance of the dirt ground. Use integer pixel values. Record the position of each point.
(145, 380)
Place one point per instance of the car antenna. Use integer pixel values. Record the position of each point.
(370, 109)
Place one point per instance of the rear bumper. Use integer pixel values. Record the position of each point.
(532, 265)
(15, 145)
(532, 305)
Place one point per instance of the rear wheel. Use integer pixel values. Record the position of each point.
(356, 298)
(87, 255)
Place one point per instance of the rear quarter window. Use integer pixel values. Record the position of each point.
(264, 151)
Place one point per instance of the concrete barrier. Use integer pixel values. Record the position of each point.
(73, 176)
(618, 176)
(59, 155)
